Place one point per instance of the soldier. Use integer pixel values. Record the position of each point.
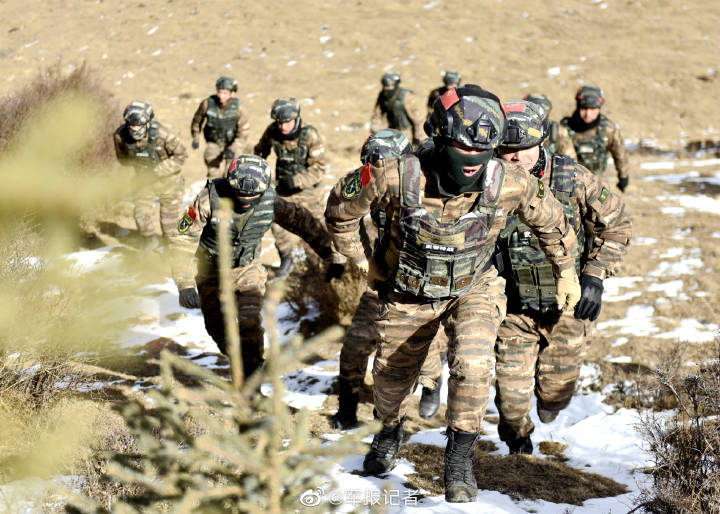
(538, 347)
(223, 122)
(594, 135)
(255, 207)
(299, 169)
(396, 108)
(558, 140)
(361, 338)
(451, 79)
(157, 156)
(445, 207)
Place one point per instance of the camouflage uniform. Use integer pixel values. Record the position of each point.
(558, 140)
(398, 111)
(303, 158)
(538, 349)
(196, 232)
(407, 322)
(225, 127)
(157, 159)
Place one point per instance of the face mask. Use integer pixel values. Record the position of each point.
(244, 204)
(450, 162)
(137, 135)
(388, 93)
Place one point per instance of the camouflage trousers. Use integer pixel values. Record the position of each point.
(362, 337)
(310, 198)
(249, 285)
(214, 156)
(540, 355)
(169, 191)
(407, 327)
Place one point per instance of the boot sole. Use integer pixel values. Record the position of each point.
(375, 467)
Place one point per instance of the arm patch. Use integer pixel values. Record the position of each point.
(603, 195)
(541, 190)
(186, 222)
(353, 187)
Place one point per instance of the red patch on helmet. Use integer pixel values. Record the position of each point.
(601, 100)
(450, 98)
(192, 213)
(514, 108)
(366, 175)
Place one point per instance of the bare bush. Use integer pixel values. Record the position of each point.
(685, 444)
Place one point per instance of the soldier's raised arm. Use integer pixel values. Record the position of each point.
(300, 221)
(605, 212)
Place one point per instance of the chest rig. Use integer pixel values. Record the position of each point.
(148, 155)
(247, 228)
(591, 153)
(221, 123)
(292, 161)
(441, 260)
(531, 282)
(394, 109)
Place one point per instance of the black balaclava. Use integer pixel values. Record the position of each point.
(449, 163)
(539, 168)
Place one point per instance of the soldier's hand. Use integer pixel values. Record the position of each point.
(335, 270)
(568, 289)
(229, 155)
(195, 145)
(165, 168)
(623, 183)
(591, 299)
(189, 298)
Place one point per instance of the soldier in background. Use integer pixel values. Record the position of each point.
(255, 206)
(224, 124)
(540, 348)
(157, 156)
(594, 135)
(361, 338)
(299, 168)
(557, 140)
(451, 79)
(445, 207)
(397, 108)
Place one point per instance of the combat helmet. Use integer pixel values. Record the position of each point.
(590, 96)
(228, 83)
(527, 125)
(385, 144)
(138, 113)
(469, 115)
(249, 175)
(451, 77)
(285, 109)
(541, 99)
(390, 79)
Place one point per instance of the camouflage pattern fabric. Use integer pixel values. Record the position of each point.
(157, 176)
(380, 118)
(559, 141)
(312, 200)
(527, 125)
(214, 152)
(612, 140)
(407, 324)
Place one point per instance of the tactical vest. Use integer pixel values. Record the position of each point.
(436, 260)
(530, 278)
(246, 231)
(292, 162)
(146, 156)
(591, 153)
(551, 142)
(394, 109)
(221, 123)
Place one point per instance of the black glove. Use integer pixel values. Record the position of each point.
(229, 155)
(335, 270)
(590, 299)
(195, 145)
(189, 298)
(286, 183)
(623, 183)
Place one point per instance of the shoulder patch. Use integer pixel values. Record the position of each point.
(541, 190)
(353, 187)
(604, 195)
(186, 221)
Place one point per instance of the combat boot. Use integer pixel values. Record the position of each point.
(430, 400)
(286, 266)
(346, 416)
(460, 484)
(384, 449)
(521, 445)
(547, 415)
